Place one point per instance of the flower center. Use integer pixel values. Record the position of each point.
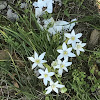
(65, 53)
(78, 46)
(53, 86)
(45, 75)
(73, 38)
(62, 66)
(55, 63)
(37, 61)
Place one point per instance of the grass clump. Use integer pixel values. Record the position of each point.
(21, 38)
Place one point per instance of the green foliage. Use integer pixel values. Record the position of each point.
(25, 36)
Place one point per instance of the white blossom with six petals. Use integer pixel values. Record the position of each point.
(65, 52)
(62, 66)
(38, 60)
(53, 86)
(45, 75)
(73, 38)
(79, 47)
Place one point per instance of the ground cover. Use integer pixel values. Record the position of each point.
(22, 32)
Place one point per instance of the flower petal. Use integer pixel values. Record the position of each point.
(68, 63)
(46, 71)
(66, 58)
(41, 66)
(56, 90)
(77, 40)
(34, 65)
(68, 35)
(78, 52)
(45, 81)
(65, 69)
(73, 44)
(42, 55)
(64, 46)
(41, 71)
(69, 41)
(51, 73)
(43, 61)
(78, 35)
(72, 55)
(60, 86)
(49, 89)
(73, 33)
(35, 55)
(69, 50)
(83, 44)
(60, 51)
(82, 49)
(60, 56)
(60, 71)
(58, 66)
(40, 77)
(31, 58)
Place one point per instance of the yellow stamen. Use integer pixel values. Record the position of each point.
(65, 52)
(73, 38)
(78, 46)
(53, 86)
(37, 61)
(45, 75)
(62, 66)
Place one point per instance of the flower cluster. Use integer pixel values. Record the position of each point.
(60, 64)
(66, 52)
(40, 4)
(45, 74)
(57, 26)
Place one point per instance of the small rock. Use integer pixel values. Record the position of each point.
(3, 55)
(23, 5)
(94, 38)
(3, 5)
(12, 16)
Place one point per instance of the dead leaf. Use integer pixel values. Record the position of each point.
(15, 84)
(94, 38)
(18, 60)
(98, 4)
(12, 76)
(3, 55)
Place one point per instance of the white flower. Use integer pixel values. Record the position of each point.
(47, 21)
(49, 6)
(38, 60)
(38, 12)
(45, 75)
(12, 16)
(79, 47)
(39, 23)
(73, 38)
(72, 24)
(39, 4)
(54, 64)
(62, 66)
(53, 87)
(23, 5)
(58, 26)
(65, 52)
(3, 4)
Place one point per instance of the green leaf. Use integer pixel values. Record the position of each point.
(63, 90)
(48, 67)
(47, 98)
(66, 13)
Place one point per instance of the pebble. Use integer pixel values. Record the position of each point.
(3, 5)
